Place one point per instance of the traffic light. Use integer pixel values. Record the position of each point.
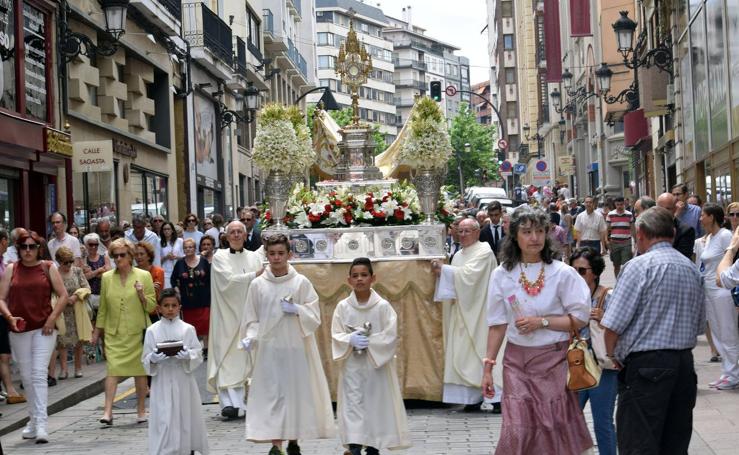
(436, 91)
(501, 155)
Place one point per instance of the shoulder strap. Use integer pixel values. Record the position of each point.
(602, 297)
(45, 268)
(573, 330)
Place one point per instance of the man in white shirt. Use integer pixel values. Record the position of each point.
(139, 233)
(11, 255)
(61, 238)
(591, 229)
(564, 191)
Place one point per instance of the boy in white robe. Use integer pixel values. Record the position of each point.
(288, 395)
(364, 338)
(176, 425)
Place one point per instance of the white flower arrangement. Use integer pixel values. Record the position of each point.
(282, 142)
(428, 144)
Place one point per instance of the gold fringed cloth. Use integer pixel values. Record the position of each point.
(409, 287)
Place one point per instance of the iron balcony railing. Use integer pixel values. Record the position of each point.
(254, 50)
(298, 7)
(297, 59)
(240, 56)
(268, 22)
(407, 63)
(412, 83)
(203, 27)
(173, 6)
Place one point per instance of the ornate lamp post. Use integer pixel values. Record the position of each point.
(246, 108)
(72, 44)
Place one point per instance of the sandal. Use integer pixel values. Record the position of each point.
(107, 422)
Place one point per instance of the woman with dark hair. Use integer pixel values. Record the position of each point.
(191, 276)
(534, 302)
(207, 248)
(171, 250)
(144, 253)
(590, 265)
(191, 229)
(720, 311)
(25, 302)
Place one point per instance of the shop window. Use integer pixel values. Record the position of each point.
(148, 193)
(95, 199)
(8, 193)
(723, 189)
(209, 200)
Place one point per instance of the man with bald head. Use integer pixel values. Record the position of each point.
(465, 328)
(684, 234)
(231, 273)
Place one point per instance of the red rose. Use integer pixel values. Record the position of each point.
(348, 217)
(399, 214)
(369, 205)
(338, 203)
(328, 208)
(314, 218)
(384, 199)
(268, 215)
(378, 214)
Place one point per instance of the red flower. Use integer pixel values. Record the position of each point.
(328, 208)
(314, 218)
(332, 194)
(337, 202)
(370, 194)
(390, 193)
(369, 205)
(384, 199)
(399, 214)
(268, 215)
(348, 217)
(378, 214)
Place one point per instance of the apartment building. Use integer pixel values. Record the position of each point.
(377, 96)
(482, 110)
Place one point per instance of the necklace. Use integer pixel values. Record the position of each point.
(532, 289)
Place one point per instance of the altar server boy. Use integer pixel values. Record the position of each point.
(364, 338)
(176, 425)
(288, 395)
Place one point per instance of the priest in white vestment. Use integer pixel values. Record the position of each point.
(465, 328)
(231, 273)
(176, 425)
(288, 397)
(369, 405)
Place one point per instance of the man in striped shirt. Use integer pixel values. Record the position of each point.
(620, 232)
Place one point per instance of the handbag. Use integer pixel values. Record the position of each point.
(598, 337)
(583, 372)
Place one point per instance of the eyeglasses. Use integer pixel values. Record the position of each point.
(119, 255)
(734, 214)
(90, 245)
(67, 262)
(677, 194)
(583, 270)
(192, 220)
(28, 246)
(157, 221)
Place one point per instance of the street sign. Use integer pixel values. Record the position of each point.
(541, 172)
(506, 168)
(502, 144)
(450, 90)
(519, 168)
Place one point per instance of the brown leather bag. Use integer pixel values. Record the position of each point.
(583, 371)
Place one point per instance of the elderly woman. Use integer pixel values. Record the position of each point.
(25, 302)
(95, 265)
(732, 213)
(534, 302)
(191, 276)
(144, 253)
(590, 265)
(76, 317)
(127, 297)
(720, 311)
(207, 247)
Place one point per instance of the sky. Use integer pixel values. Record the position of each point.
(457, 22)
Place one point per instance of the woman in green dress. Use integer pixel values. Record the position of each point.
(126, 298)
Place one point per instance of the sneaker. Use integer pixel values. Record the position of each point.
(29, 432)
(717, 382)
(728, 384)
(275, 451)
(42, 437)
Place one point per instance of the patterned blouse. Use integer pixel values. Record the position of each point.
(193, 283)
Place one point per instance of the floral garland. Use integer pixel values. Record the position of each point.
(428, 143)
(282, 142)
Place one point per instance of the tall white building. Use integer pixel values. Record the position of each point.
(420, 59)
(376, 97)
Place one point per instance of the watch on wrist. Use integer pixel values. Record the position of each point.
(544, 322)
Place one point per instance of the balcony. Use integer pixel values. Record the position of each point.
(274, 39)
(403, 102)
(410, 83)
(210, 39)
(415, 44)
(240, 64)
(254, 51)
(295, 7)
(407, 63)
(165, 14)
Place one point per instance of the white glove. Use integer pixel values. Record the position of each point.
(157, 357)
(289, 307)
(358, 341)
(184, 354)
(246, 344)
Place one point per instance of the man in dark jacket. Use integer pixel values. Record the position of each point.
(684, 234)
(493, 233)
(253, 234)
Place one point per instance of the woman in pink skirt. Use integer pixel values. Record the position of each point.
(530, 301)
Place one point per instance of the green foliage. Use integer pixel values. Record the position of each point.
(465, 129)
(343, 118)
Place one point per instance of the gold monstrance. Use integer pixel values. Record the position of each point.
(353, 65)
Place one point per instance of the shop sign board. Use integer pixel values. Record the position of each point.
(566, 165)
(93, 156)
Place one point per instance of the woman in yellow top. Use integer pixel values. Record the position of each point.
(126, 298)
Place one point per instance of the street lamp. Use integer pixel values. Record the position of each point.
(603, 75)
(71, 44)
(567, 79)
(536, 137)
(624, 28)
(249, 99)
(629, 95)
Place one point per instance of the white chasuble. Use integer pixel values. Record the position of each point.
(465, 327)
(176, 425)
(288, 394)
(230, 276)
(369, 405)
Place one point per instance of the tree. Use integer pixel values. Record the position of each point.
(479, 164)
(344, 117)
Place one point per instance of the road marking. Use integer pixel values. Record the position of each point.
(124, 395)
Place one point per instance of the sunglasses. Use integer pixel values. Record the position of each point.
(734, 214)
(192, 220)
(583, 270)
(28, 246)
(67, 262)
(119, 255)
(90, 245)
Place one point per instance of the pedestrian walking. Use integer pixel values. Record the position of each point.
(534, 302)
(191, 229)
(591, 229)
(289, 403)
(127, 297)
(207, 248)
(590, 265)
(720, 311)
(655, 314)
(26, 303)
(96, 264)
(171, 250)
(364, 334)
(176, 425)
(191, 276)
(620, 232)
(685, 234)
